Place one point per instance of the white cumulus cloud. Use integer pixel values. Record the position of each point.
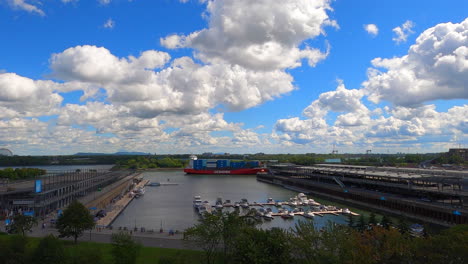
(109, 23)
(372, 29)
(26, 6)
(436, 67)
(21, 96)
(402, 32)
(259, 35)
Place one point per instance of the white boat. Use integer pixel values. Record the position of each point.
(244, 203)
(345, 211)
(236, 205)
(312, 202)
(316, 208)
(139, 192)
(268, 216)
(205, 208)
(284, 213)
(416, 230)
(227, 203)
(197, 202)
(270, 201)
(219, 205)
(309, 215)
(202, 210)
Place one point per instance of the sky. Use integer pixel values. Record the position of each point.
(235, 76)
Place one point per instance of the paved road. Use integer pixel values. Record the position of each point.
(148, 240)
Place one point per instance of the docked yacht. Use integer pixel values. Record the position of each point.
(139, 192)
(268, 216)
(345, 211)
(197, 202)
(244, 203)
(287, 215)
(219, 205)
(309, 215)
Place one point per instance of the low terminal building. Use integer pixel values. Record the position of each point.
(47, 193)
(430, 195)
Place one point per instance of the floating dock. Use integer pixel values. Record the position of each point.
(323, 211)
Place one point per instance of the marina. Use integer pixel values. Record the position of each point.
(296, 206)
(172, 207)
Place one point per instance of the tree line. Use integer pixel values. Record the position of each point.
(231, 238)
(151, 162)
(21, 173)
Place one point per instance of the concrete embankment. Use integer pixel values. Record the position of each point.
(101, 198)
(118, 207)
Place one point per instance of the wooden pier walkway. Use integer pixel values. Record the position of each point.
(320, 213)
(118, 207)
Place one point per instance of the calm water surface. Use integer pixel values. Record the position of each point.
(172, 205)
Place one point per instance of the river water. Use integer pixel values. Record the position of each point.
(171, 206)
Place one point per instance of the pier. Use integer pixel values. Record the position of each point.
(118, 207)
(298, 205)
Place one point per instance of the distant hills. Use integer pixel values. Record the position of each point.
(109, 154)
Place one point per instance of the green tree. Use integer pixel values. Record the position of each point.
(372, 219)
(208, 234)
(217, 233)
(22, 224)
(350, 221)
(361, 224)
(74, 220)
(331, 244)
(124, 249)
(386, 222)
(49, 250)
(403, 225)
(254, 245)
(450, 246)
(380, 246)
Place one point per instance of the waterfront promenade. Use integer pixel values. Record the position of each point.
(118, 207)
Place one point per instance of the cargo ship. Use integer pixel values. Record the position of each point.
(223, 167)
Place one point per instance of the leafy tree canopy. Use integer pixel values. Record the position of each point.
(75, 219)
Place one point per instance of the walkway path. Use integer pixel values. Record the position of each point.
(160, 240)
(118, 207)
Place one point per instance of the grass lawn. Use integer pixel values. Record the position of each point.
(147, 255)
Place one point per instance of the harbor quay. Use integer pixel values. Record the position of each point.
(433, 196)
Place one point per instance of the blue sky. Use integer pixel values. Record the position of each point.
(293, 76)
